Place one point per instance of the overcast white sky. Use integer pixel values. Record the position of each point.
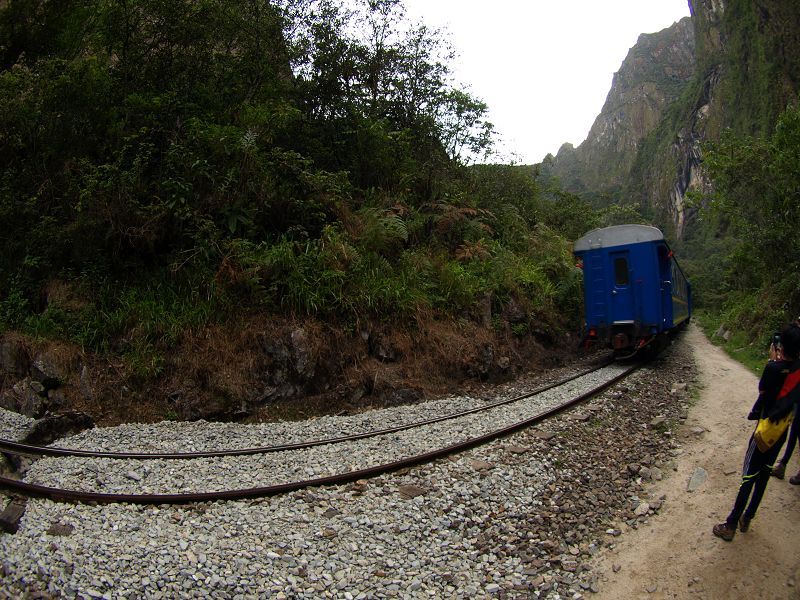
(544, 67)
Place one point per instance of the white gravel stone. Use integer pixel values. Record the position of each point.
(461, 538)
(261, 470)
(14, 426)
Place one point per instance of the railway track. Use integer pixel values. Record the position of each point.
(76, 475)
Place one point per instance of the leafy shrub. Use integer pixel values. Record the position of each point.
(758, 290)
(179, 162)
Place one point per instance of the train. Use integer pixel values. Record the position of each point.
(635, 292)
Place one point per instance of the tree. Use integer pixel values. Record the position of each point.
(757, 193)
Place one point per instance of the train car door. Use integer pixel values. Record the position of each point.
(622, 308)
(667, 276)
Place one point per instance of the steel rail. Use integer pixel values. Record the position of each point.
(20, 449)
(62, 495)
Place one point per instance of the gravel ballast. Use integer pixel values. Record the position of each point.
(518, 517)
(107, 475)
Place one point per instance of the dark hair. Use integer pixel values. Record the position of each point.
(790, 340)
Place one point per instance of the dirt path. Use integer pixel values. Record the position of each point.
(675, 555)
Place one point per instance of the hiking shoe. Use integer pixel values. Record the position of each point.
(744, 523)
(779, 470)
(795, 479)
(724, 531)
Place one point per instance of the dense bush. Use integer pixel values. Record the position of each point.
(168, 163)
(750, 247)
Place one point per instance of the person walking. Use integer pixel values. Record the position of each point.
(758, 463)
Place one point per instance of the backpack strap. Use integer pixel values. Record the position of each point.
(788, 396)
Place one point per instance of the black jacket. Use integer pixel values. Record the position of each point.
(770, 402)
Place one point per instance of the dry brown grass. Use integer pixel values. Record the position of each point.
(223, 369)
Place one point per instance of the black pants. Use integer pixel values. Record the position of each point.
(755, 476)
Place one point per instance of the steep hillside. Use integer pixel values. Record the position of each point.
(653, 75)
(734, 65)
(747, 73)
(215, 208)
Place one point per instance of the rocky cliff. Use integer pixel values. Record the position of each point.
(734, 64)
(747, 72)
(652, 77)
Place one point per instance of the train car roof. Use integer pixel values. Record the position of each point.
(617, 235)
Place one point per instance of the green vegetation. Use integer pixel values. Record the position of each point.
(751, 354)
(169, 164)
(749, 277)
(166, 165)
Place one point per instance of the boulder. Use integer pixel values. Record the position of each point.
(481, 364)
(304, 365)
(50, 369)
(27, 397)
(52, 427)
(57, 400)
(290, 360)
(276, 393)
(401, 396)
(288, 368)
(214, 405)
(14, 358)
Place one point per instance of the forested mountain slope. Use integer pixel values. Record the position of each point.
(734, 65)
(718, 168)
(214, 207)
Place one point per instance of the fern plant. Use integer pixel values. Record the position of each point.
(382, 231)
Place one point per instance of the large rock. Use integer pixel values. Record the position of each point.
(288, 368)
(14, 358)
(27, 397)
(50, 369)
(401, 396)
(481, 363)
(381, 347)
(304, 365)
(56, 426)
(276, 393)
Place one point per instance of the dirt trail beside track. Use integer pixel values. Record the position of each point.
(675, 555)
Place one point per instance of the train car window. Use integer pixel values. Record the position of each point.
(621, 271)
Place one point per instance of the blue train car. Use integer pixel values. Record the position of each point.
(634, 290)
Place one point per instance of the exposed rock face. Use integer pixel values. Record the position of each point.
(289, 367)
(748, 71)
(734, 65)
(56, 426)
(652, 77)
(268, 367)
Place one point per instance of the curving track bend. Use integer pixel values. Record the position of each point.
(168, 477)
